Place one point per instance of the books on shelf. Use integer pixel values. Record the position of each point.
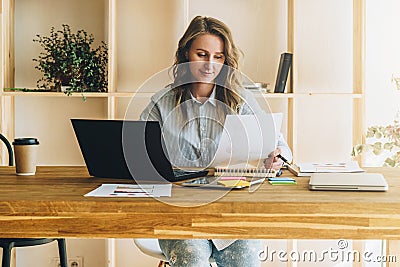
(285, 64)
(308, 168)
(257, 87)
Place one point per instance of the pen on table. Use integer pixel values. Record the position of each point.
(257, 181)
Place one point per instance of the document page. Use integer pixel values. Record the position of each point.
(247, 139)
(131, 190)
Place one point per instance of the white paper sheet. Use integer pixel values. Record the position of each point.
(247, 139)
(131, 190)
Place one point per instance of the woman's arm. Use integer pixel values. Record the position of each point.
(284, 147)
(151, 113)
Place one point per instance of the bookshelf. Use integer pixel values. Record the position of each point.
(112, 14)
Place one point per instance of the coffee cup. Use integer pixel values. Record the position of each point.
(25, 150)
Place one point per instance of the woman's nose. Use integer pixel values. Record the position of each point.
(208, 63)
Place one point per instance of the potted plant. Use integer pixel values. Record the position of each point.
(385, 139)
(69, 61)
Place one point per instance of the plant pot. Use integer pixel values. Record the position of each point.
(65, 88)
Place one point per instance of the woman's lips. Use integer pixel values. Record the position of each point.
(206, 73)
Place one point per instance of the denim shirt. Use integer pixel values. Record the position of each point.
(193, 129)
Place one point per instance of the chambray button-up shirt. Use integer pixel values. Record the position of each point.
(193, 129)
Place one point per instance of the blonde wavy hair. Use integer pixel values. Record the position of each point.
(228, 81)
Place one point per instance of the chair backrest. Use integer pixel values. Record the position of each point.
(149, 246)
(9, 149)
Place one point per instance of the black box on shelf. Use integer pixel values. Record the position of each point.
(285, 63)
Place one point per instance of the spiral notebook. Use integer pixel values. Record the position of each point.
(244, 171)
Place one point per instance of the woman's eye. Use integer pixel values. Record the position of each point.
(219, 57)
(201, 55)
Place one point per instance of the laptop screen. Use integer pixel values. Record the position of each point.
(123, 149)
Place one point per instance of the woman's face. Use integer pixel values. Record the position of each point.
(206, 57)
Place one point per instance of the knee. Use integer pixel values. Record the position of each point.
(188, 256)
(186, 253)
(240, 253)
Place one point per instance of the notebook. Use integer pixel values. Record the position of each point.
(244, 171)
(348, 182)
(307, 168)
(127, 149)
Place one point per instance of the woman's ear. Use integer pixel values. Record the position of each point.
(187, 55)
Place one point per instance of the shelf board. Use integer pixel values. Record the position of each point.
(274, 95)
(294, 95)
(131, 94)
(86, 94)
(351, 95)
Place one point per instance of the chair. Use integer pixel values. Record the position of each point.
(150, 246)
(9, 243)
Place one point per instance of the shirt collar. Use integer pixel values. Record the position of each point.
(210, 99)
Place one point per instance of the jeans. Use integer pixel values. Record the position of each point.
(197, 252)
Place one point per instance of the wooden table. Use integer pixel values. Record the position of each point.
(51, 204)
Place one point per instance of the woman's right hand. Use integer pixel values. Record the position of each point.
(273, 162)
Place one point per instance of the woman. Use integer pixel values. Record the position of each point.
(192, 112)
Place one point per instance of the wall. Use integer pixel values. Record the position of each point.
(90, 250)
(259, 29)
(323, 64)
(382, 62)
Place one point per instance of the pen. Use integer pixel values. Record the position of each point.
(283, 158)
(257, 181)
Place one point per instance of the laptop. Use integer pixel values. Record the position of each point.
(127, 149)
(348, 182)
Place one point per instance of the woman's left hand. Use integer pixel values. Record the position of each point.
(273, 162)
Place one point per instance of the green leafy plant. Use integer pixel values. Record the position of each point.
(69, 60)
(396, 80)
(385, 139)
